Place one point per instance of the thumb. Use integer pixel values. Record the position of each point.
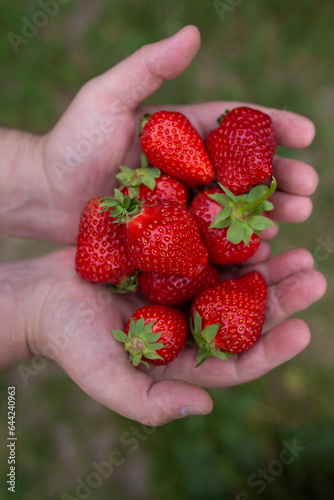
(140, 75)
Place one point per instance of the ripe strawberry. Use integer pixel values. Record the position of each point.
(171, 144)
(228, 318)
(174, 291)
(242, 149)
(232, 234)
(154, 334)
(101, 256)
(160, 237)
(151, 185)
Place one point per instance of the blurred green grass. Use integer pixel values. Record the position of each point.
(276, 53)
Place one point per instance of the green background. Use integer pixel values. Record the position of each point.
(273, 52)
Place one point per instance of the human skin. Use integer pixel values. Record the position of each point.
(45, 181)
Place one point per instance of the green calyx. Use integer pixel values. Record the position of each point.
(122, 207)
(135, 178)
(127, 284)
(204, 340)
(140, 341)
(221, 118)
(143, 122)
(242, 214)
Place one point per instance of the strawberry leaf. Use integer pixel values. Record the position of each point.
(235, 232)
(143, 122)
(146, 332)
(119, 335)
(126, 202)
(156, 346)
(197, 322)
(136, 327)
(219, 354)
(259, 223)
(154, 337)
(149, 182)
(221, 217)
(201, 357)
(267, 206)
(246, 234)
(221, 199)
(121, 206)
(256, 192)
(232, 196)
(136, 359)
(221, 225)
(210, 332)
(152, 355)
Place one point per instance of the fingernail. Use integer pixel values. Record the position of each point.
(180, 31)
(192, 410)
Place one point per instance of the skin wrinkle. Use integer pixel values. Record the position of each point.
(254, 373)
(24, 150)
(134, 394)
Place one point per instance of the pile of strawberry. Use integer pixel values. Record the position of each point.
(149, 237)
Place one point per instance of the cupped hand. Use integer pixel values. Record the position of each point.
(99, 131)
(71, 321)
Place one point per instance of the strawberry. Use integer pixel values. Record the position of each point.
(151, 185)
(242, 149)
(154, 334)
(174, 291)
(231, 234)
(171, 144)
(101, 256)
(227, 318)
(160, 237)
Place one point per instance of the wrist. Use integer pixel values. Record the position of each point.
(15, 313)
(21, 189)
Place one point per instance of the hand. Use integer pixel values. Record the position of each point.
(71, 321)
(99, 132)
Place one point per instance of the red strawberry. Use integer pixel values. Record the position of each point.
(232, 234)
(101, 256)
(242, 149)
(228, 318)
(150, 185)
(154, 334)
(160, 237)
(171, 144)
(174, 291)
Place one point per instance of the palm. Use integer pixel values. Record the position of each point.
(78, 318)
(99, 132)
(81, 156)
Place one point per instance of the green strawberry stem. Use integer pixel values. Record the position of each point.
(140, 341)
(262, 198)
(242, 214)
(127, 284)
(205, 340)
(135, 178)
(221, 118)
(121, 207)
(143, 122)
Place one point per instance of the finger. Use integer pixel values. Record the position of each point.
(293, 294)
(295, 176)
(290, 208)
(270, 233)
(279, 345)
(292, 130)
(141, 74)
(262, 254)
(281, 266)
